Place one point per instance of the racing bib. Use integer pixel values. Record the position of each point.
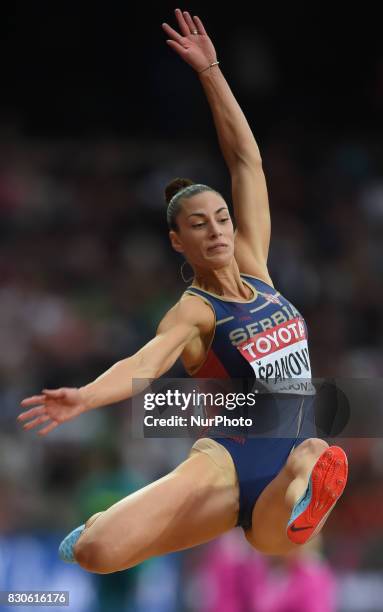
(280, 354)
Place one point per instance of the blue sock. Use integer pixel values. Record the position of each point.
(66, 546)
(302, 503)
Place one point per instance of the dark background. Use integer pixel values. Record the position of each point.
(74, 70)
(97, 114)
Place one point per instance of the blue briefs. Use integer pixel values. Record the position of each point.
(259, 458)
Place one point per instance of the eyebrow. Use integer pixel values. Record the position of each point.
(200, 214)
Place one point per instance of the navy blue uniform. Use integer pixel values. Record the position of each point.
(264, 339)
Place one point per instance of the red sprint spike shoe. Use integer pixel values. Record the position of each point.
(326, 485)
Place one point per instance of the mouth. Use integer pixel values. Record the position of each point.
(217, 247)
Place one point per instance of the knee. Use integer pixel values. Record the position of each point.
(309, 450)
(313, 446)
(88, 551)
(257, 541)
(89, 554)
(95, 555)
(269, 545)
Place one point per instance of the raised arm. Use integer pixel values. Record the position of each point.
(180, 326)
(237, 143)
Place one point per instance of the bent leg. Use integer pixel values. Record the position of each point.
(273, 507)
(196, 502)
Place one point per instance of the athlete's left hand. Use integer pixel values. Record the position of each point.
(196, 49)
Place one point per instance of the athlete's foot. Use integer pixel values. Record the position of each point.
(326, 484)
(67, 545)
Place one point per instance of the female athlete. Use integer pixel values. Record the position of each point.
(280, 491)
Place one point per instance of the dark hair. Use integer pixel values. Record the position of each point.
(176, 185)
(174, 203)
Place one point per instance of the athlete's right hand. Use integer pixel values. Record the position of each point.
(54, 406)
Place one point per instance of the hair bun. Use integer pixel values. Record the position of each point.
(175, 186)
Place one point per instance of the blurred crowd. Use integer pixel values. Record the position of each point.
(87, 272)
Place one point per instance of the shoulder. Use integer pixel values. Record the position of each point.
(261, 275)
(189, 310)
(248, 263)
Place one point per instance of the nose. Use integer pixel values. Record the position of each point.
(215, 229)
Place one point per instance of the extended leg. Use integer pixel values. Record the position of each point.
(193, 504)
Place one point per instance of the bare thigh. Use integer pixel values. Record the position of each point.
(272, 510)
(193, 504)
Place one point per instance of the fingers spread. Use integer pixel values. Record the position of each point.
(199, 24)
(54, 392)
(172, 33)
(175, 45)
(182, 23)
(47, 429)
(28, 414)
(191, 25)
(38, 421)
(34, 399)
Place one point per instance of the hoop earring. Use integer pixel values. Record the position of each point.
(186, 280)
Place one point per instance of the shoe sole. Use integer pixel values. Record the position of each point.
(328, 480)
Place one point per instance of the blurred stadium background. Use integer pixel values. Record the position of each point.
(96, 115)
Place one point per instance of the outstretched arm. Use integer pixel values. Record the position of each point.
(237, 143)
(180, 326)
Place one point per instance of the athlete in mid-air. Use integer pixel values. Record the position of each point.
(230, 322)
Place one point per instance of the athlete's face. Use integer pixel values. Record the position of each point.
(205, 231)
